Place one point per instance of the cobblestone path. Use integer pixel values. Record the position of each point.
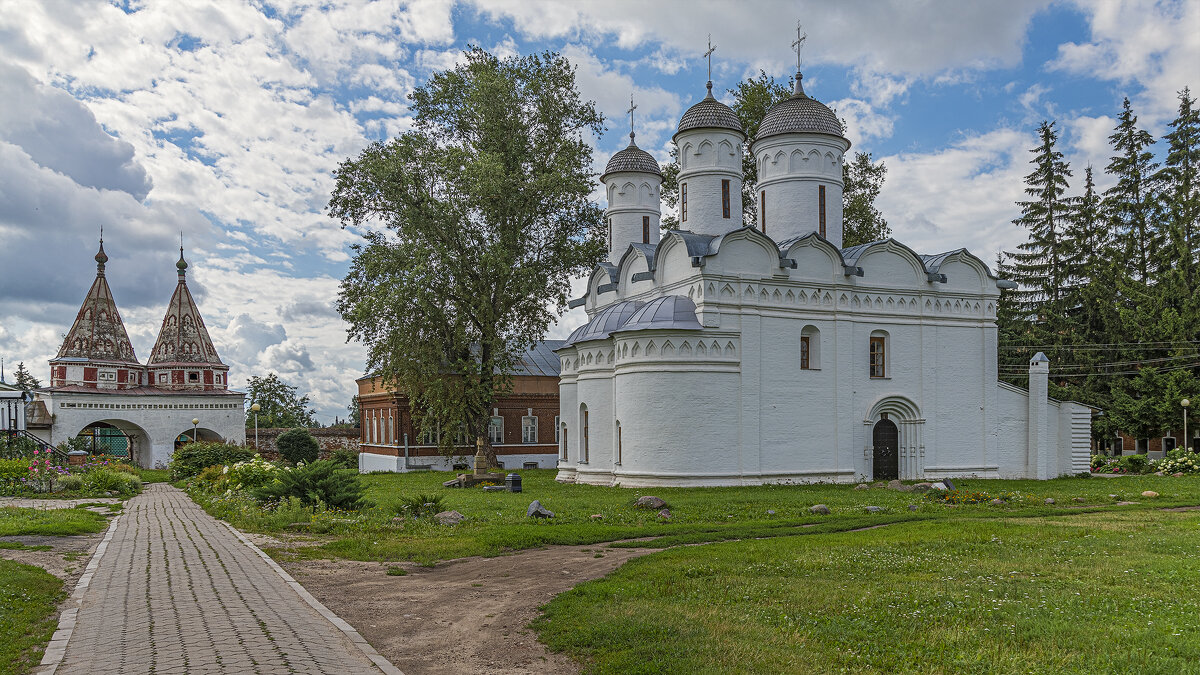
(177, 592)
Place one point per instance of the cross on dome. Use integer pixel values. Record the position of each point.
(632, 107)
(798, 46)
(708, 55)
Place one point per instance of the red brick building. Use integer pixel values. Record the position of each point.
(523, 429)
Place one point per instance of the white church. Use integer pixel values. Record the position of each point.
(718, 354)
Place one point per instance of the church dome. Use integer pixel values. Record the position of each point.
(799, 115)
(673, 312)
(632, 158)
(710, 113)
(605, 322)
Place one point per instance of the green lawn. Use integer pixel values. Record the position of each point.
(28, 606)
(497, 522)
(1082, 593)
(53, 522)
(155, 475)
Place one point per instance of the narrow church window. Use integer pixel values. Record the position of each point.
(804, 347)
(618, 442)
(645, 229)
(608, 238)
(564, 443)
(878, 357)
(762, 209)
(683, 202)
(725, 198)
(556, 423)
(583, 434)
(821, 206)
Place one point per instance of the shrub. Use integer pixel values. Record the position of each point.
(15, 447)
(13, 469)
(297, 445)
(190, 459)
(420, 505)
(122, 467)
(1133, 463)
(1178, 461)
(70, 483)
(346, 459)
(320, 482)
(103, 480)
(252, 473)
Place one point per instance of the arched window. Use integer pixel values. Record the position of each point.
(810, 348)
(583, 433)
(878, 354)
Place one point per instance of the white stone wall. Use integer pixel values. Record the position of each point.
(791, 167)
(153, 422)
(369, 462)
(707, 157)
(631, 197)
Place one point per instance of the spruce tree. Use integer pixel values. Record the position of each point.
(25, 380)
(1179, 181)
(1130, 203)
(1040, 267)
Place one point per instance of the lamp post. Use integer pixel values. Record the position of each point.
(1185, 403)
(254, 408)
(195, 424)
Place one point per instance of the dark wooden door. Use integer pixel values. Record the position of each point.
(886, 440)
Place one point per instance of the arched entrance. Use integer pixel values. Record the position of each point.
(894, 445)
(885, 446)
(199, 434)
(103, 438)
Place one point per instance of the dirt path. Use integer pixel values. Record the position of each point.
(462, 616)
(66, 558)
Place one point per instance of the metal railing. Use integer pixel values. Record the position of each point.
(20, 444)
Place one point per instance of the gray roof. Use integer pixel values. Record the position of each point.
(799, 114)
(697, 244)
(710, 113)
(852, 254)
(933, 263)
(604, 323)
(670, 311)
(647, 250)
(632, 158)
(540, 360)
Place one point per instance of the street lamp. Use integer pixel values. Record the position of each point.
(195, 424)
(254, 409)
(1185, 403)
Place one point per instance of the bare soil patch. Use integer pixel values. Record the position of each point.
(66, 559)
(462, 616)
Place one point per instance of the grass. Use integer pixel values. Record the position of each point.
(155, 475)
(28, 601)
(1078, 593)
(18, 546)
(497, 522)
(52, 522)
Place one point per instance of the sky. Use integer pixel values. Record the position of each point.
(225, 119)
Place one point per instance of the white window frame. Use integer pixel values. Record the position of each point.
(529, 429)
(496, 430)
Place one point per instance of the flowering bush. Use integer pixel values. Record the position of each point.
(252, 473)
(43, 472)
(1178, 461)
(1107, 465)
(958, 496)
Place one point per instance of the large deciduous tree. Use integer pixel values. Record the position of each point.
(487, 217)
(862, 221)
(279, 404)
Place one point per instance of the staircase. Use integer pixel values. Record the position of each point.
(33, 442)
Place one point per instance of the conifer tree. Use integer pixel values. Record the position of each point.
(1179, 180)
(25, 380)
(1130, 203)
(1040, 267)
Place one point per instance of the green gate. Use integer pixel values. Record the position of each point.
(107, 441)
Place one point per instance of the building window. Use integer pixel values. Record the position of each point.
(583, 433)
(821, 207)
(1168, 444)
(496, 430)
(762, 210)
(193, 377)
(645, 229)
(1143, 446)
(529, 429)
(804, 353)
(810, 348)
(556, 439)
(725, 198)
(619, 439)
(608, 238)
(429, 436)
(683, 202)
(563, 444)
(878, 355)
(162, 378)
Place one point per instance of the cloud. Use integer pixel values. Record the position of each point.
(60, 133)
(962, 196)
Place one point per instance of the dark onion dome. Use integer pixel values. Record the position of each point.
(799, 115)
(673, 312)
(632, 158)
(710, 113)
